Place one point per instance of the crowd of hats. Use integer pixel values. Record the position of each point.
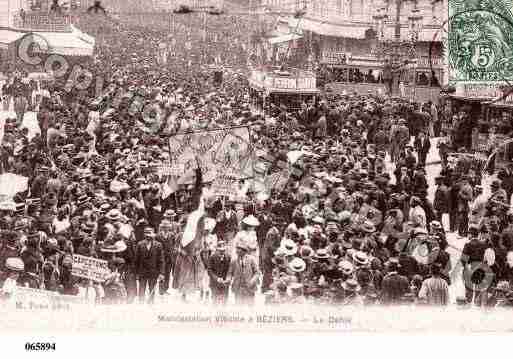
(335, 235)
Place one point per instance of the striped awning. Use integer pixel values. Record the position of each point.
(73, 43)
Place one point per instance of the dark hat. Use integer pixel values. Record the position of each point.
(393, 264)
(496, 183)
(461, 300)
(117, 261)
(306, 251)
(20, 209)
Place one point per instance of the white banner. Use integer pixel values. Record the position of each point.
(215, 151)
(90, 268)
(225, 186)
(10, 184)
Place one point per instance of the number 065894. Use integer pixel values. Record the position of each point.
(39, 346)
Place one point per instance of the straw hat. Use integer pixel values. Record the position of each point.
(118, 247)
(113, 215)
(360, 258)
(322, 253)
(289, 247)
(346, 267)
(251, 221)
(14, 264)
(297, 265)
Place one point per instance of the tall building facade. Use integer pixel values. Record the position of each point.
(351, 35)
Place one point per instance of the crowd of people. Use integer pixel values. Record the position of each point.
(354, 223)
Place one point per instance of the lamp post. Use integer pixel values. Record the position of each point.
(414, 24)
(398, 52)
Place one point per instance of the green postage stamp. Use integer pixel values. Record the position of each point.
(480, 41)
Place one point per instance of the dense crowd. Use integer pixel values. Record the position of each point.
(353, 225)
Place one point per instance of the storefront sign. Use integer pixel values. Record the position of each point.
(271, 81)
(306, 83)
(479, 90)
(43, 22)
(284, 83)
(334, 57)
(426, 62)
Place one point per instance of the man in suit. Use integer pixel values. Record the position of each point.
(472, 256)
(218, 266)
(422, 146)
(20, 105)
(243, 275)
(394, 286)
(410, 160)
(442, 199)
(167, 238)
(149, 264)
(465, 196)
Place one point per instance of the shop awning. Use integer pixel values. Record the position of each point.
(470, 99)
(354, 31)
(74, 43)
(500, 104)
(284, 38)
(8, 37)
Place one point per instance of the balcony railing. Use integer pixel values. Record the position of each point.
(43, 21)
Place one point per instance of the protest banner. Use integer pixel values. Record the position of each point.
(90, 268)
(214, 151)
(225, 186)
(39, 299)
(10, 184)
